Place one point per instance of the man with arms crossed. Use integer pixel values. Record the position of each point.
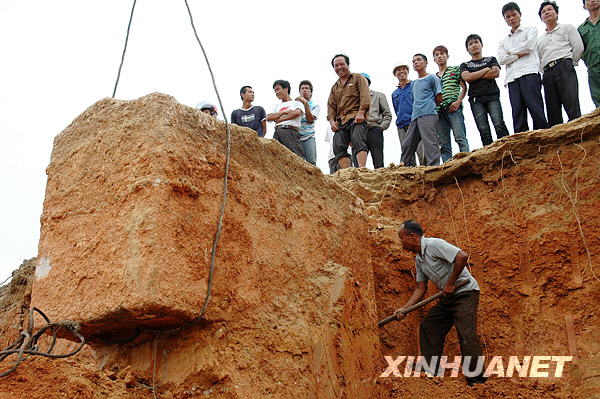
(484, 95)
(590, 34)
(427, 94)
(250, 116)
(287, 115)
(347, 107)
(450, 112)
(443, 264)
(517, 52)
(560, 48)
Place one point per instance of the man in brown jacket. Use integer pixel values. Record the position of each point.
(348, 103)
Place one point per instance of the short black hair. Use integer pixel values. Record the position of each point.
(307, 83)
(283, 83)
(512, 6)
(243, 91)
(421, 55)
(549, 3)
(341, 55)
(412, 227)
(473, 36)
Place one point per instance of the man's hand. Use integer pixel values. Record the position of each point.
(449, 289)
(334, 126)
(360, 117)
(454, 106)
(302, 100)
(522, 55)
(400, 315)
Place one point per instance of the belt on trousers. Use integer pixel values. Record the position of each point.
(554, 63)
(287, 127)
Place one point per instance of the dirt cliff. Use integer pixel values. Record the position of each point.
(308, 263)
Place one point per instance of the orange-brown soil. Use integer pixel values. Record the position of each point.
(525, 209)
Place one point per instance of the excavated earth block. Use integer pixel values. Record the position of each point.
(524, 208)
(132, 201)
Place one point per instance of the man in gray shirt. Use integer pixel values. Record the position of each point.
(378, 120)
(444, 264)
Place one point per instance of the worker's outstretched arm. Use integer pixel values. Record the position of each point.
(417, 295)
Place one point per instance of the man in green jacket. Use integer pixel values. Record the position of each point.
(590, 34)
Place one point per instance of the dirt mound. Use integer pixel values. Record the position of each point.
(307, 265)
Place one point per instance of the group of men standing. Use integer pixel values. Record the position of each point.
(429, 108)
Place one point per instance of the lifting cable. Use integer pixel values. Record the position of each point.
(27, 343)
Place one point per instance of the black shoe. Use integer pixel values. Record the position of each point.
(476, 380)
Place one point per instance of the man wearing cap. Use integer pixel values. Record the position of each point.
(207, 108)
(287, 116)
(347, 106)
(378, 120)
(402, 100)
(560, 48)
(590, 34)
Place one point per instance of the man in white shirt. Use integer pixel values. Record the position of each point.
(517, 52)
(560, 48)
(287, 116)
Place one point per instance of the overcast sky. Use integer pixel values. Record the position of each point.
(59, 57)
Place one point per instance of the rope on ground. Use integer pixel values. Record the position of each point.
(28, 342)
(4, 282)
(124, 49)
(573, 201)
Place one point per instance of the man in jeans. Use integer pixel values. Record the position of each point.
(484, 95)
(378, 120)
(427, 94)
(287, 116)
(347, 108)
(517, 52)
(560, 48)
(307, 126)
(450, 112)
(444, 265)
(590, 34)
(402, 100)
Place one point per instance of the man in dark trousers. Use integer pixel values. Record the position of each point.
(443, 264)
(347, 108)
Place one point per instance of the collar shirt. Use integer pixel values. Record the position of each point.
(436, 263)
(402, 100)
(561, 42)
(523, 41)
(590, 34)
(379, 111)
(346, 100)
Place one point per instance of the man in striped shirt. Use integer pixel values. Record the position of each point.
(450, 112)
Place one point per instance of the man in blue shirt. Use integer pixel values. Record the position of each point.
(427, 95)
(402, 99)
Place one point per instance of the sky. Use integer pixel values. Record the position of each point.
(60, 57)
